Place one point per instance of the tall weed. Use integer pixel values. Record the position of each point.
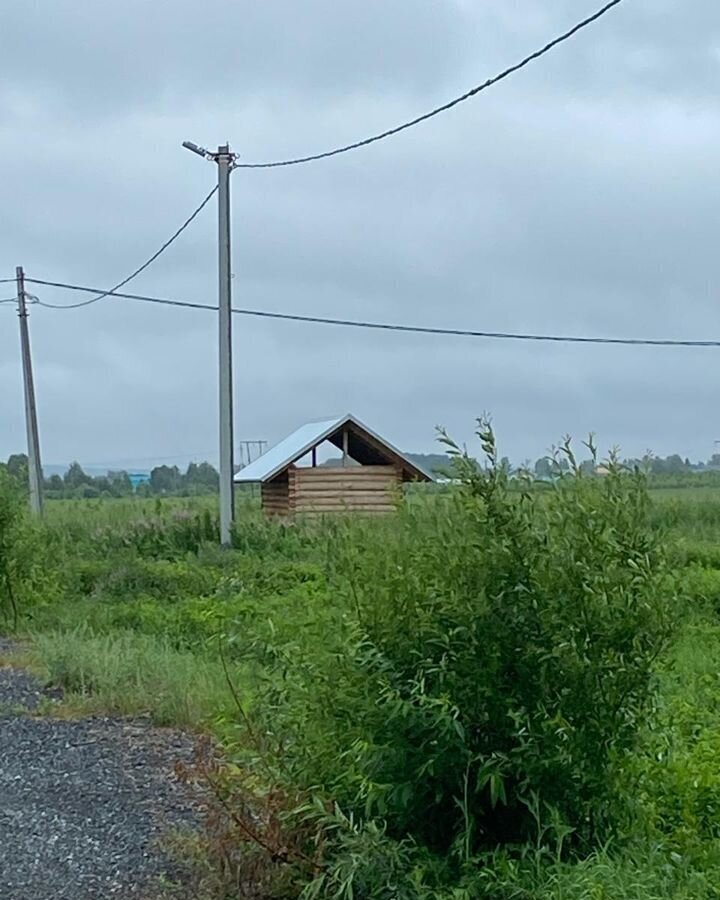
(488, 674)
(130, 674)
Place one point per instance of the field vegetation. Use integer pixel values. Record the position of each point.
(506, 690)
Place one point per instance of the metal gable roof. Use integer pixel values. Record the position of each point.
(300, 442)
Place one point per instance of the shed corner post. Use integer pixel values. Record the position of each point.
(292, 491)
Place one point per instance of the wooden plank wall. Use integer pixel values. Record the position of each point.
(363, 489)
(275, 498)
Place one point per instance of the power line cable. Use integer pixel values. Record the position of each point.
(386, 326)
(152, 259)
(111, 293)
(31, 299)
(439, 109)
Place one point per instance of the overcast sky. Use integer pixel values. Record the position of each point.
(581, 196)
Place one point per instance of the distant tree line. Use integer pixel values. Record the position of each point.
(547, 467)
(198, 478)
(654, 466)
(202, 478)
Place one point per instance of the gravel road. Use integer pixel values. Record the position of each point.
(85, 803)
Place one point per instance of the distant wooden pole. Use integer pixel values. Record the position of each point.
(345, 447)
(34, 468)
(314, 457)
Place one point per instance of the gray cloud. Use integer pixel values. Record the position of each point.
(99, 58)
(578, 197)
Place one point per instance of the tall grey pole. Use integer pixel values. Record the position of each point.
(224, 160)
(34, 468)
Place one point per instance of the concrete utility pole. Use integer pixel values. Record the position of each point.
(34, 468)
(224, 159)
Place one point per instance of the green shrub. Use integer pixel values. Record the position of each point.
(686, 510)
(28, 574)
(9, 520)
(168, 536)
(702, 587)
(258, 536)
(646, 873)
(678, 780)
(696, 551)
(166, 580)
(490, 670)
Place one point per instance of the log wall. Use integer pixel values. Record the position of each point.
(275, 498)
(357, 489)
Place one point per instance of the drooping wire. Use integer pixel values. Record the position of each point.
(385, 326)
(438, 109)
(29, 299)
(148, 262)
(112, 292)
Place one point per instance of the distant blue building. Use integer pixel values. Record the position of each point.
(138, 478)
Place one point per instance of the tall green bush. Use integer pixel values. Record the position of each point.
(9, 518)
(26, 572)
(492, 669)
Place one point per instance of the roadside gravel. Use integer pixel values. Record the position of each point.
(85, 804)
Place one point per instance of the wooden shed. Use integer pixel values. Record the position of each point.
(367, 478)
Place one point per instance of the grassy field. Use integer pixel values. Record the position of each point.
(480, 697)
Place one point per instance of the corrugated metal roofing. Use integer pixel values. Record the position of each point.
(293, 447)
(300, 442)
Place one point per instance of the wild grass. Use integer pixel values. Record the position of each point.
(435, 695)
(687, 512)
(130, 674)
